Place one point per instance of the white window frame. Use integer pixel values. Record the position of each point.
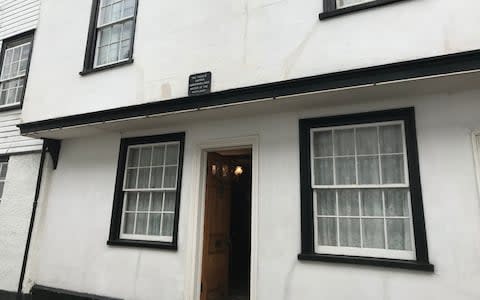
(340, 6)
(146, 237)
(23, 76)
(100, 26)
(356, 251)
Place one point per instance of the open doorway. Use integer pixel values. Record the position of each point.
(227, 226)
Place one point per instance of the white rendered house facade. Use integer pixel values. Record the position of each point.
(358, 131)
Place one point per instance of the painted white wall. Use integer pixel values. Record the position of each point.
(15, 212)
(243, 43)
(70, 241)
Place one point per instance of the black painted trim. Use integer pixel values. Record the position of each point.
(115, 225)
(367, 261)
(32, 219)
(27, 35)
(12, 107)
(40, 292)
(142, 244)
(439, 65)
(330, 8)
(7, 295)
(107, 67)
(407, 115)
(89, 60)
(53, 147)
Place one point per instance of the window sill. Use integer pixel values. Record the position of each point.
(142, 244)
(355, 8)
(106, 67)
(10, 107)
(368, 261)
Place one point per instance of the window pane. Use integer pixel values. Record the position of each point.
(11, 96)
(172, 154)
(127, 30)
(133, 155)
(102, 55)
(129, 8)
(7, 63)
(344, 142)
(2, 185)
(349, 232)
(373, 233)
(143, 202)
(105, 36)
(169, 202)
(327, 231)
(131, 201)
(396, 203)
(391, 139)
(131, 181)
(170, 179)
(16, 56)
(106, 15)
(154, 224)
(323, 170)
(117, 11)
(322, 144)
(393, 169)
(345, 170)
(116, 33)
(26, 52)
(157, 176)
(143, 177)
(157, 201)
(348, 203)
(23, 67)
(167, 225)
(113, 52)
(141, 227)
(367, 140)
(368, 170)
(3, 172)
(326, 203)
(125, 49)
(128, 223)
(158, 155)
(372, 204)
(145, 156)
(3, 96)
(398, 232)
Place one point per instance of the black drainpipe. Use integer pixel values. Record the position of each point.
(32, 221)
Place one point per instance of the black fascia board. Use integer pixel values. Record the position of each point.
(425, 67)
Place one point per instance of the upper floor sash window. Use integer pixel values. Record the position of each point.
(15, 59)
(111, 34)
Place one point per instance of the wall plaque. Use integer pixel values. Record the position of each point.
(199, 84)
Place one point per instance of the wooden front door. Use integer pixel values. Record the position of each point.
(216, 237)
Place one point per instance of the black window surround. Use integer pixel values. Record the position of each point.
(407, 115)
(27, 36)
(330, 7)
(117, 210)
(89, 61)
